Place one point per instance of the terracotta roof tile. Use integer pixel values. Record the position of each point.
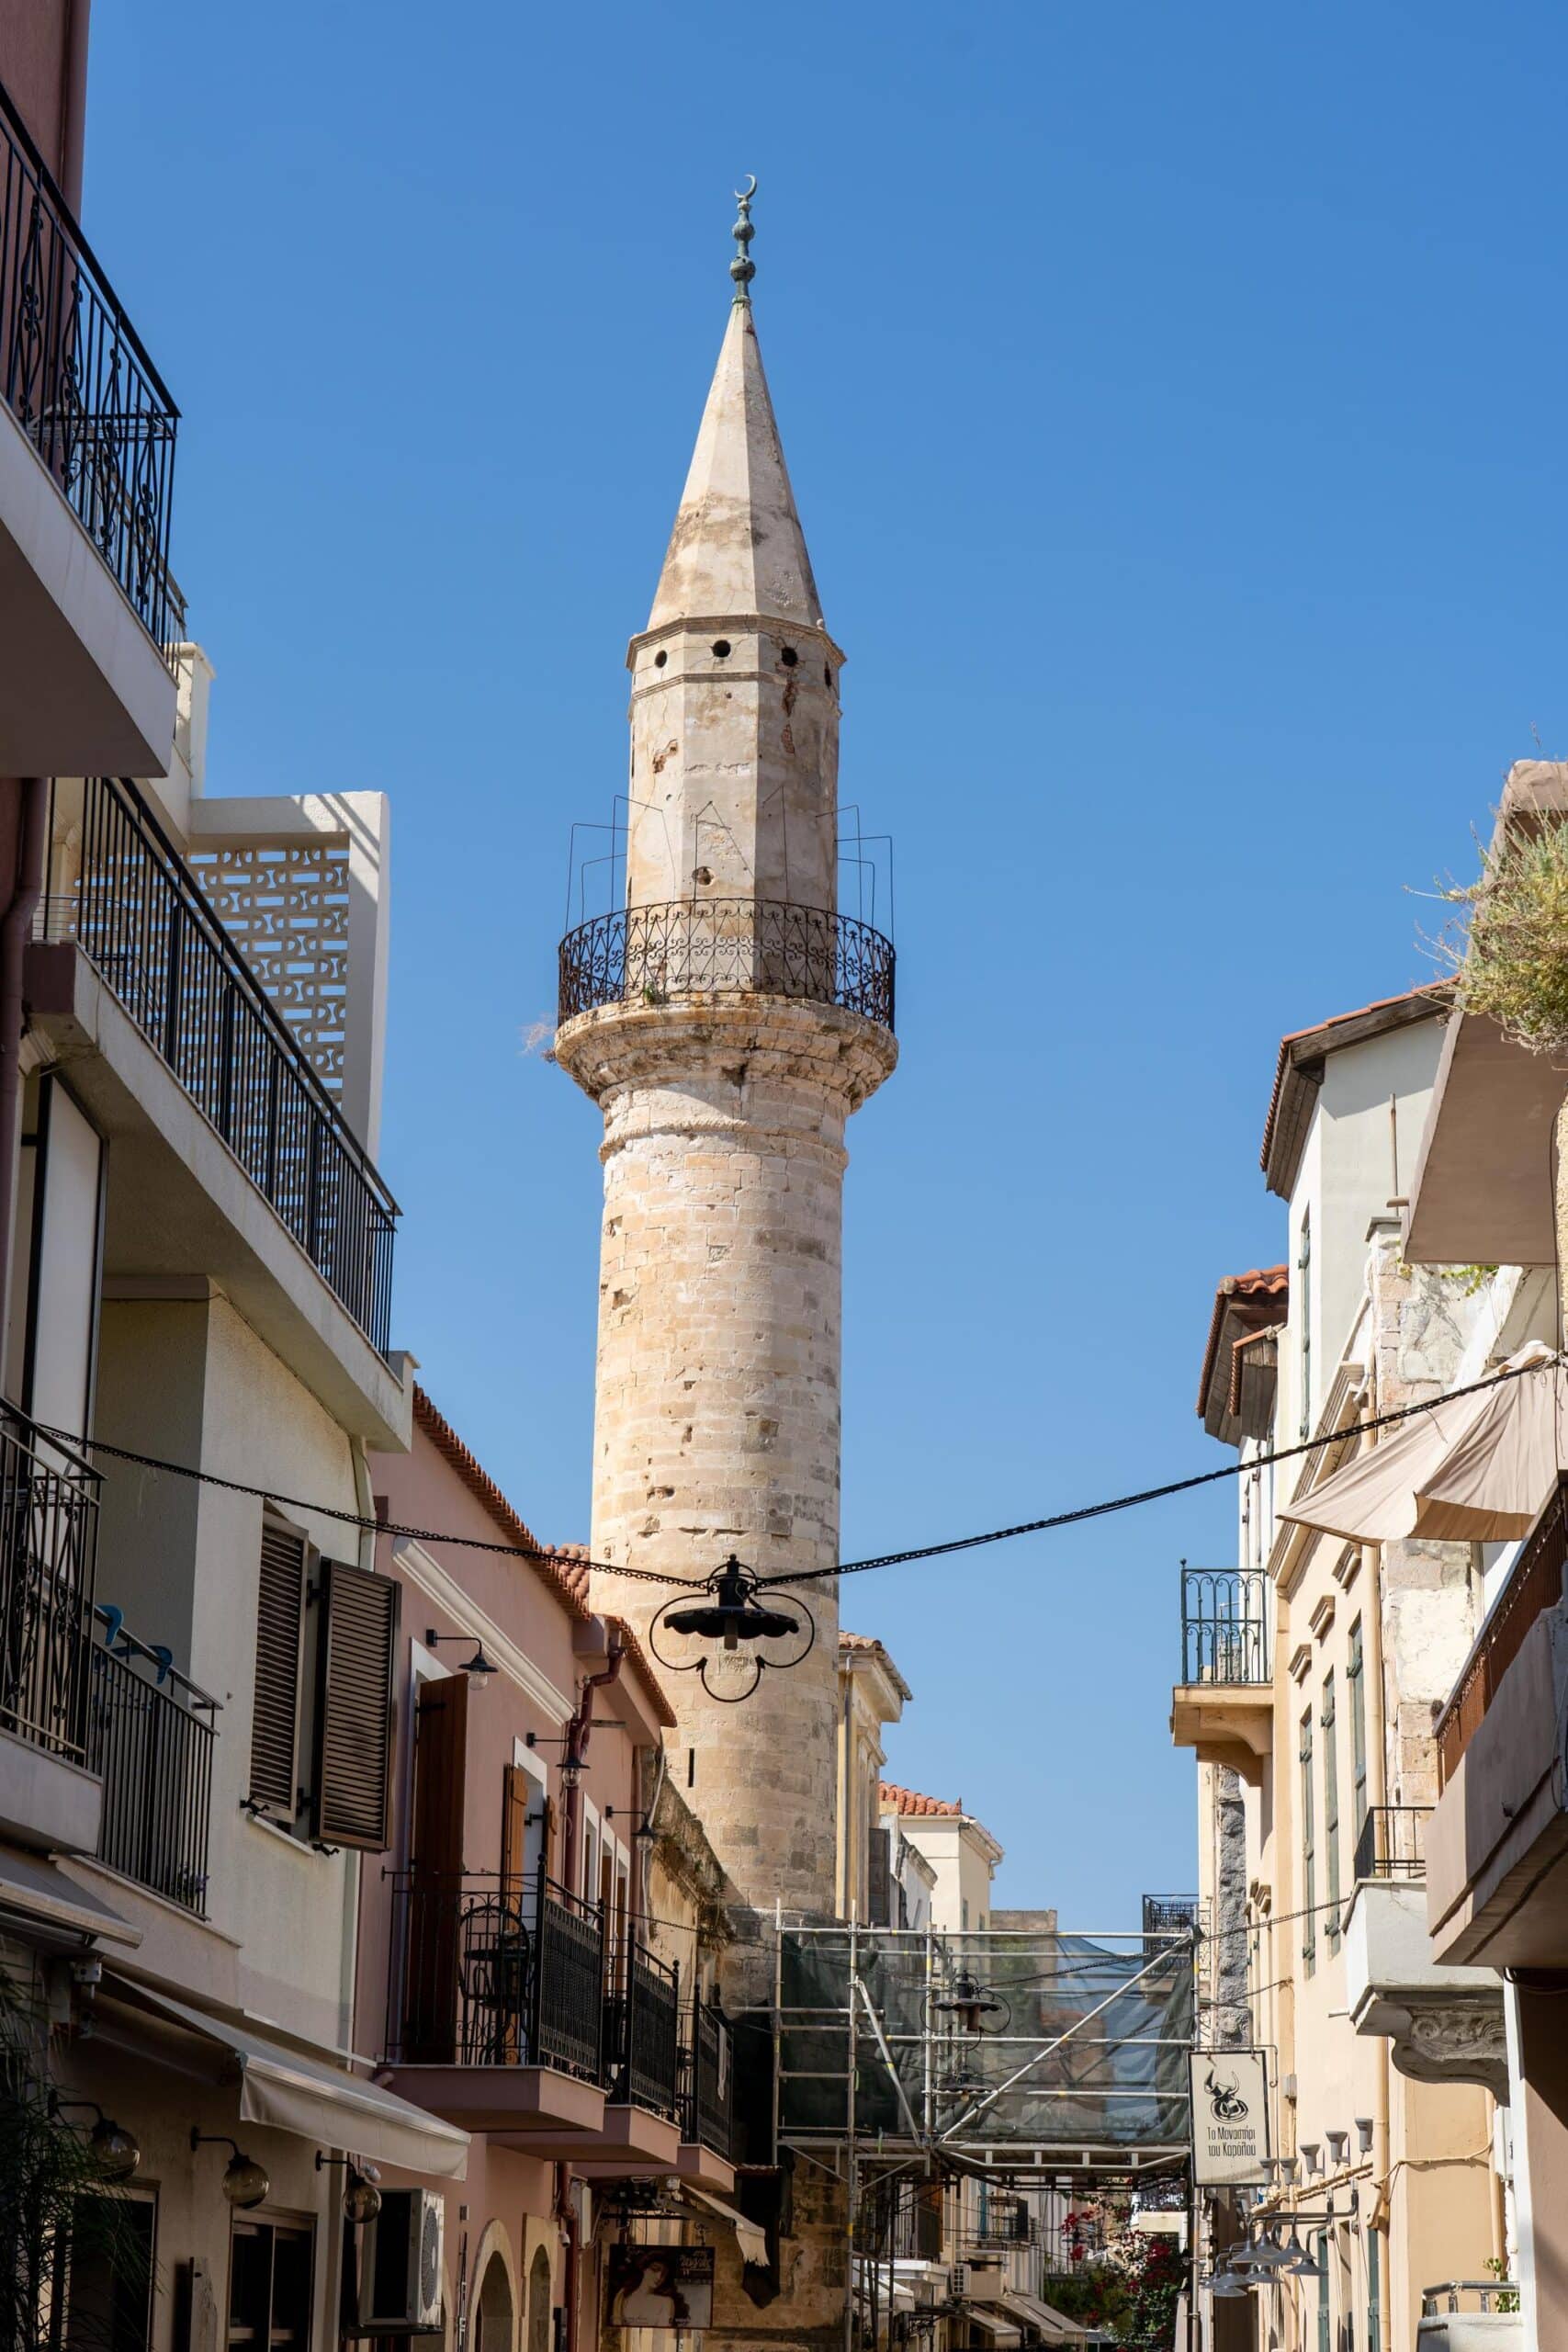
(894, 1799)
(1257, 1292)
(1301, 1056)
(868, 1645)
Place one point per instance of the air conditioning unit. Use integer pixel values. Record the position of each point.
(399, 2264)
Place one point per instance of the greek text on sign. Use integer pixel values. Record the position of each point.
(1230, 2118)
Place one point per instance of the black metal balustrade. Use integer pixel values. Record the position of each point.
(642, 2037)
(76, 378)
(48, 1531)
(1225, 1625)
(150, 1734)
(1392, 1842)
(493, 1971)
(708, 2082)
(119, 887)
(727, 946)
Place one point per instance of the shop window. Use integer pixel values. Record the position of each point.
(269, 2286)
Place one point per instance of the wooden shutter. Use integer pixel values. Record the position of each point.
(516, 1787)
(275, 1719)
(441, 1727)
(879, 1894)
(355, 1657)
(552, 1825)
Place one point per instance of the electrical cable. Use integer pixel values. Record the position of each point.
(844, 1567)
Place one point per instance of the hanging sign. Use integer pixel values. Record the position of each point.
(661, 2286)
(1230, 2118)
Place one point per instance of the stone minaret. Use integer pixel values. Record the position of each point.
(730, 1024)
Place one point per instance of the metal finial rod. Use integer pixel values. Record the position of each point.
(743, 269)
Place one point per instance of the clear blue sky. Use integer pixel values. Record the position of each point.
(1174, 398)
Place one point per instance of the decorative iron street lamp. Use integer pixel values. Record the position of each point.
(739, 1628)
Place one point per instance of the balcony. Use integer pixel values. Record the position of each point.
(1498, 1844)
(1471, 2315)
(1445, 2024)
(150, 1737)
(265, 1189)
(496, 2007)
(1224, 1706)
(708, 2100)
(50, 1797)
(700, 948)
(88, 609)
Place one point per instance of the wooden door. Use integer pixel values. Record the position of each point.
(436, 1871)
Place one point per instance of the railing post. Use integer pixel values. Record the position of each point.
(172, 972)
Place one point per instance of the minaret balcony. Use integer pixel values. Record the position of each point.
(691, 949)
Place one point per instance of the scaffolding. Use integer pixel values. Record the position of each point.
(1049, 2064)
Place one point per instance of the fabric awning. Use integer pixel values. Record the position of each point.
(324, 2103)
(40, 1893)
(995, 2325)
(1054, 2325)
(751, 2238)
(1476, 1471)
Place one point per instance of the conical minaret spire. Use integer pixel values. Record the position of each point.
(733, 791)
(727, 1022)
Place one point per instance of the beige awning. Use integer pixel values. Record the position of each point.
(324, 2103)
(1476, 1471)
(1054, 2325)
(40, 1893)
(752, 2239)
(994, 2324)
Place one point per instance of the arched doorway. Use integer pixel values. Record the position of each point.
(540, 2301)
(495, 2307)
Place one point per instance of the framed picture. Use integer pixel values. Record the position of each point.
(661, 2286)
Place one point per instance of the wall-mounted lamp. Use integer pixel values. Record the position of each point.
(1364, 2133)
(245, 2183)
(478, 1668)
(1311, 2151)
(361, 2198)
(116, 2153)
(1289, 2168)
(569, 1767)
(645, 1833)
(1338, 2147)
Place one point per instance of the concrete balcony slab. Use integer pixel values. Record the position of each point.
(83, 690)
(530, 2107)
(1445, 2023)
(1226, 1722)
(180, 1208)
(46, 1801)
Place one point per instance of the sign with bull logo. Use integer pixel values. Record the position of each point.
(1230, 2118)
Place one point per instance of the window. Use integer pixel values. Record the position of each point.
(1355, 1682)
(1331, 1810)
(108, 2273)
(1374, 2291)
(1309, 1871)
(349, 1735)
(269, 2286)
(1304, 1355)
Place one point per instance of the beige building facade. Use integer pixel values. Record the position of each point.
(1309, 1682)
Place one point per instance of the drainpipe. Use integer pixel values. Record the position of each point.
(566, 2217)
(578, 1732)
(32, 808)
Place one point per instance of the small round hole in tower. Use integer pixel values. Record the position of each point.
(659, 658)
(721, 648)
(788, 656)
(828, 676)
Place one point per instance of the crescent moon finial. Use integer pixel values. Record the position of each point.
(743, 269)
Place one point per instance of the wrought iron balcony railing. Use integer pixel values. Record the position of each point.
(708, 2082)
(1535, 1584)
(496, 1971)
(149, 1736)
(120, 888)
(642, 2037)
(49, 1530)
(76, 378)
(1392, 1842)
(693, 947)
(1225, 1625)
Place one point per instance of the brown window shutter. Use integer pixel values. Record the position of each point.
(355, 1656)
(516, 1790)
(275, 1719)
(552, 1824)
